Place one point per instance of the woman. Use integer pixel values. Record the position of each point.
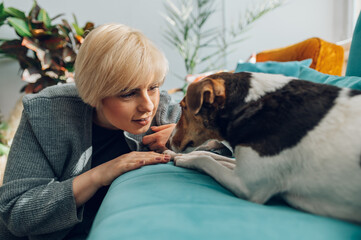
(74, 140)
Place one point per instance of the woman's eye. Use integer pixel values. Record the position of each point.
(152, 88)
(127, 95)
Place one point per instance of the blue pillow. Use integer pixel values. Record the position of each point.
(291, 69)
(317, 77)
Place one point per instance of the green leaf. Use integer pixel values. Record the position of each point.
(44, 17)
(79, 31)
(57, 16)
(63, 29)
(34, 12)
(15, 12)
(75, 19)
(3, 14)
(20, 26)
(66, 24)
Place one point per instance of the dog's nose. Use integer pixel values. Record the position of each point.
(190, 144)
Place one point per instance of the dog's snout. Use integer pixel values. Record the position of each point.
(188, 145)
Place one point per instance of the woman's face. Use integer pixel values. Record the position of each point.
(131, 111)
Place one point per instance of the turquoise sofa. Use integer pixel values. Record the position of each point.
(167, 202)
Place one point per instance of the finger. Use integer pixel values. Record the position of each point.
(159, 128)
(148, 156)
(156, 160)
(149, 139)
(137, 156)
(160, 158)
(152, 146)
(162, 127)
(163, 158)
(157, 147)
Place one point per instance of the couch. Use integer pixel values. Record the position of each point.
(168, 202)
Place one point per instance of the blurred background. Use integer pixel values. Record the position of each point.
(292, 22)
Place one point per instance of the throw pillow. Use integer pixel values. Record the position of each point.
(315, 76)
(291, 69)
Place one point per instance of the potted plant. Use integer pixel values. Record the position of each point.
(46, 53)
(45, 50)
(200, 45)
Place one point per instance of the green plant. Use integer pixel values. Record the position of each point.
(45, 51)
(198, 44)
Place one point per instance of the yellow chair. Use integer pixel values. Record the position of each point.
(326, 57)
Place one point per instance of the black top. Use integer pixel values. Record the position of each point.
(107, 145)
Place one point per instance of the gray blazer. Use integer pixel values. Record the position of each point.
(52, 145)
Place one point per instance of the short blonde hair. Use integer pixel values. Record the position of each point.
(114, 58)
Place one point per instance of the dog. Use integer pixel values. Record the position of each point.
(291, 138)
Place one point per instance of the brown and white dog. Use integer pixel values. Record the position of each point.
(290, 137)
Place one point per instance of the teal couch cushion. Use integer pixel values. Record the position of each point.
(315, 76)
(291, 69)
(168, 202)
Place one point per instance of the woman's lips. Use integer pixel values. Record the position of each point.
(143, 121)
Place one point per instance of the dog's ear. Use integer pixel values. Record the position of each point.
(211, 91)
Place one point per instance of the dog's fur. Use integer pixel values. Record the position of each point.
(292, 138)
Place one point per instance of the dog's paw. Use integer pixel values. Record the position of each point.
(184, 161)
(171, 154)
(190, 161)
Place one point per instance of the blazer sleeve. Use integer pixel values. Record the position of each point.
(32, 200)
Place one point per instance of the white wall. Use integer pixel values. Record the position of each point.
(297, 20)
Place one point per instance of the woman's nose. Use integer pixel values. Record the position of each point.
(146, 104)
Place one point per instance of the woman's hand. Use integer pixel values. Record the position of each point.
(86, 184)
(158, 140)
